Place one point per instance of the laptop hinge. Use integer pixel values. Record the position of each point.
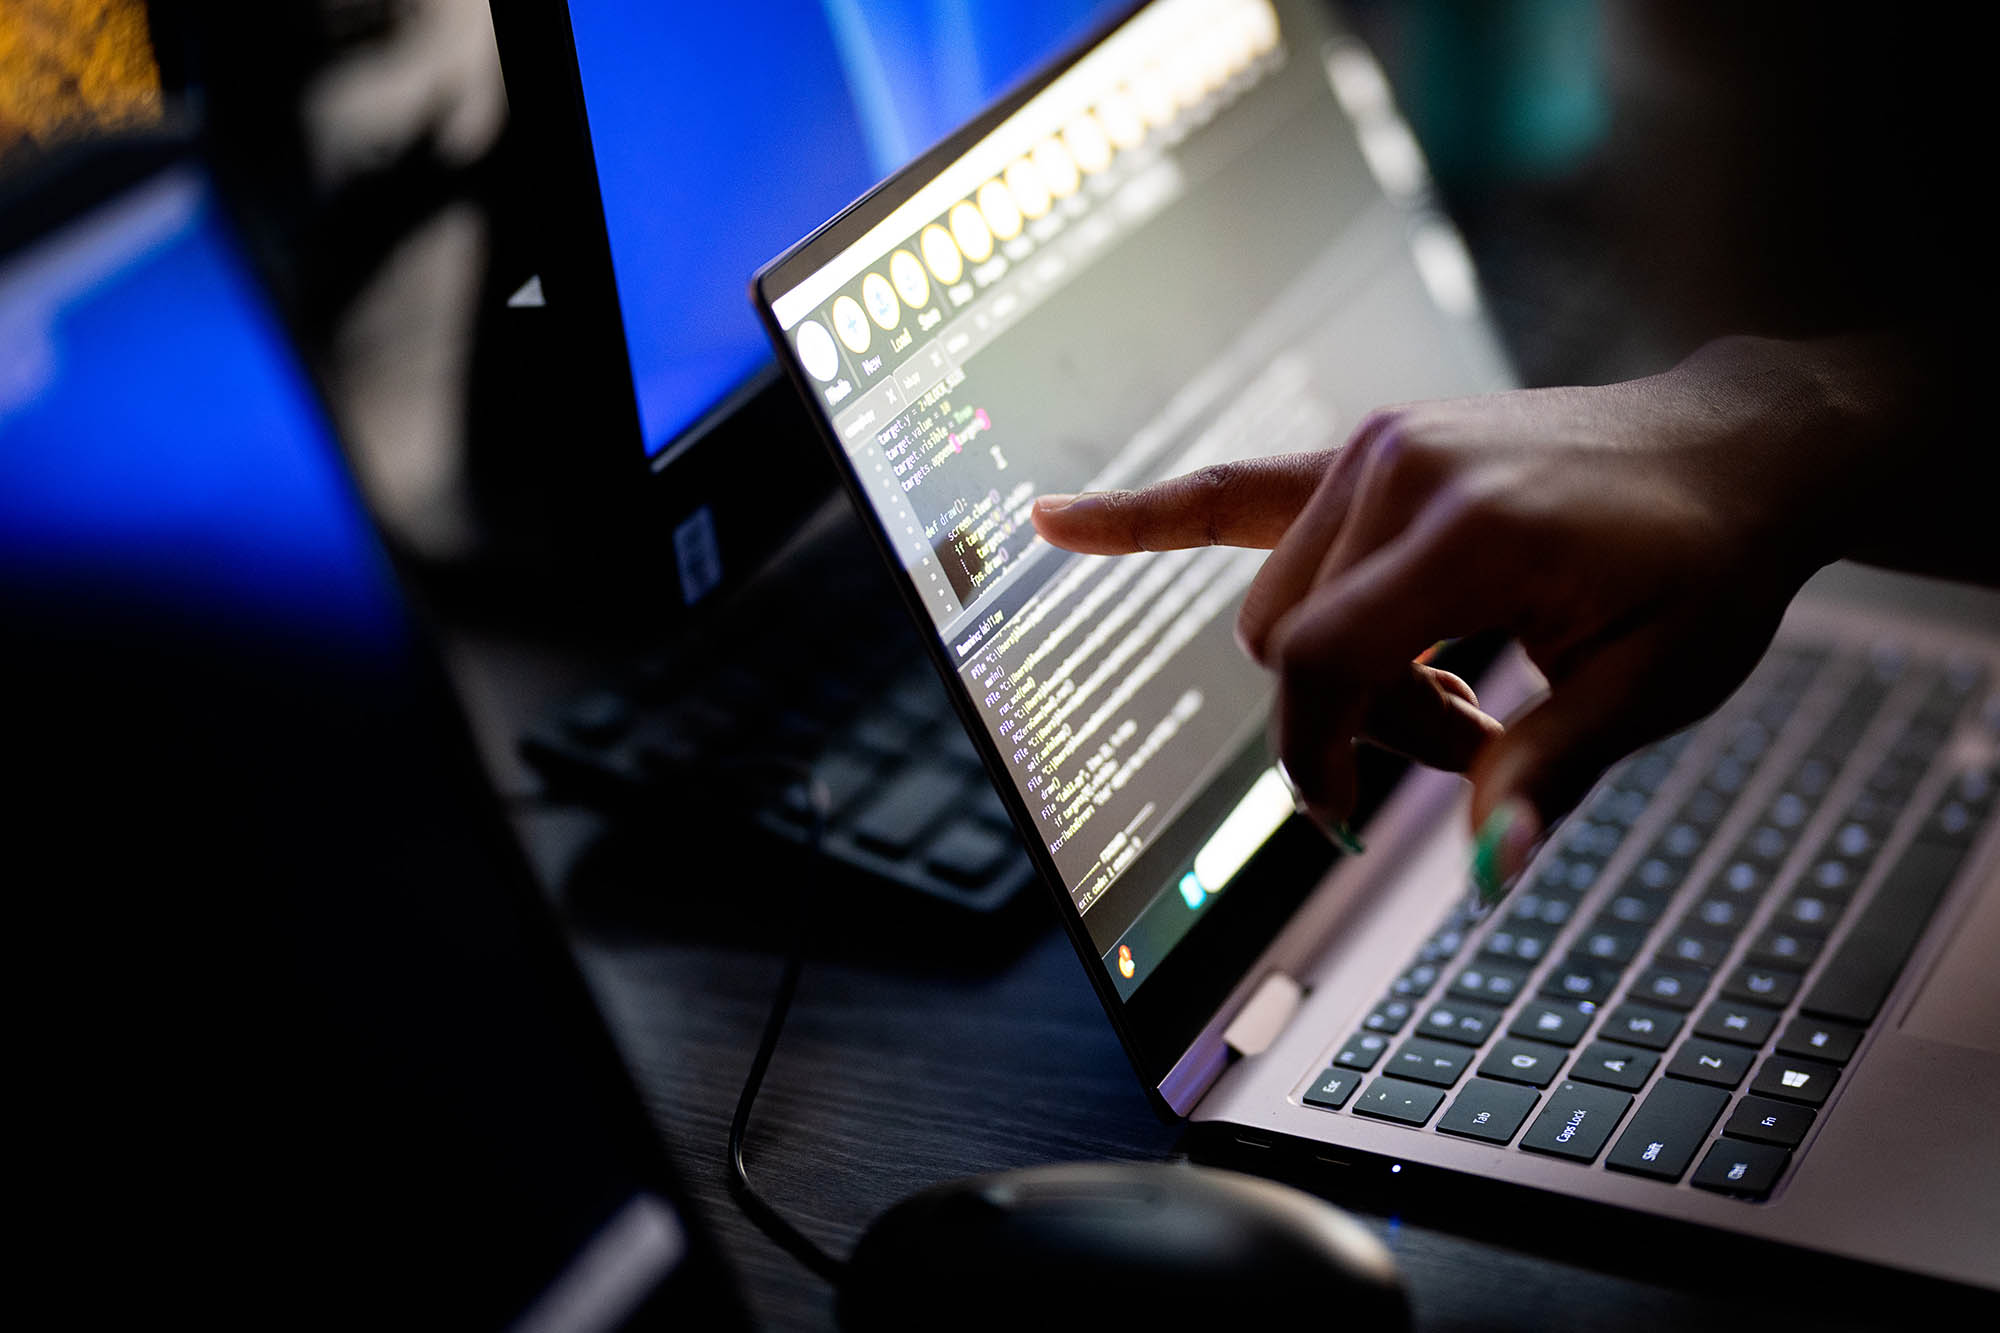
(1270, 1007)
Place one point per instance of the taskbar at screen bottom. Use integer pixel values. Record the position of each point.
(1187, 899)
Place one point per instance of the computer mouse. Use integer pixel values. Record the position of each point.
(1117, 1246)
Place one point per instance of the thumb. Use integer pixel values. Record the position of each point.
(1619, 697)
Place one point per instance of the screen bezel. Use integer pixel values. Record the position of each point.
(596, 477)
(1160, 1022)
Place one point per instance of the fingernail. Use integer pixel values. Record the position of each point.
(1047, 502)
(1337, 831)
(1501, 851)
(1424, 658)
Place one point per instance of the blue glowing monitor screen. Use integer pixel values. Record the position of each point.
(720, 138)
(160, 447)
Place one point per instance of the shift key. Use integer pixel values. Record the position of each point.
(1668, 1129)
(1577, 1121)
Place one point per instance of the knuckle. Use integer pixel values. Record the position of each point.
(1211, 490)
(1409, 461)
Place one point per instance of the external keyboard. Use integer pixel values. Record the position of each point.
(1624, 1019)
(817, 664)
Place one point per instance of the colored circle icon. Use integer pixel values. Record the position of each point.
(997, 206)
(1155, 96)
(1263, 24)
(816, 350)
(1119, 114)
(851, 324)
(1189, 79)
(908, 275)
(880, 299)
(1056, 167)
(969, 229)
(942, 254)
(1030, 192)
(1084, 138)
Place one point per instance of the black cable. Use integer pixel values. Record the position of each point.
(773, 1224)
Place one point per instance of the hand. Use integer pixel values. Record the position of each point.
(1641, 540)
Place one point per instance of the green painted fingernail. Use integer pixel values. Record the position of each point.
(1500, 852)
(1346, 839)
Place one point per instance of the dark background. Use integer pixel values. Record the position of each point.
(1633, 178)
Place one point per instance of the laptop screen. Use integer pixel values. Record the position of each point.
(1209, 237)
(370, 1082)
(715, 146)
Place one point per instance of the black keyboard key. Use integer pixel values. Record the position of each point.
(1388, 1016)
(1761, 985)
(1618, 805)
(1552, 1021)
(1667, 1130)
(1675, 987)
(1767, 846)
(1687, 949)
(1542, 909)
(1460, 1021)
(1832, 877)
(913, 801)
(1732, 1020)
(1332, 1089)
(1610, 942)
(1854, 841)
(1489, 1111)
(1682, 841)
(1415, 983)
(1810, 912)
(1706, 807)
(1518, 1061)
(1711, 1062)
(1393, 1099)
(1817, 1039)
(1779, 947)
(1642, 1025)
(1443, 946)
(1858, 977)
(1636, 907)
(967, 853)
(1963, 808)
(1615, 1066)
(1767, 1121)
(1582, 979)
(1425, 1061)
(1747, 1169)
(1518, 943)
(1795, 1080)
(1656, 874)
(1719, 916)
(1577, 1121)
(1363, 1049)
(1741, 878)
(1489, 983)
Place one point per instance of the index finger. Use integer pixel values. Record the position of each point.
(1249, 502)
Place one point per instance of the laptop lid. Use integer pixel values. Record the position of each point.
(1205, 234)
(308, 1049)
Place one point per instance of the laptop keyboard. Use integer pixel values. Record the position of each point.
(1683, 1007)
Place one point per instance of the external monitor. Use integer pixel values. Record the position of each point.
(671, 148)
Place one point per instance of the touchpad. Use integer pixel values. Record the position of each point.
(1960, 1003)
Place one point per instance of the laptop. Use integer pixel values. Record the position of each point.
(306, 1047)
(1747, 986)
